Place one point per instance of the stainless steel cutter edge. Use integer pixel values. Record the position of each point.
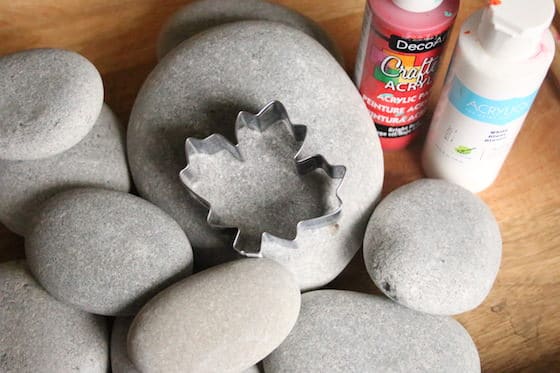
(272, 113)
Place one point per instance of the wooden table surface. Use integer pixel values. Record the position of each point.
(517, 328)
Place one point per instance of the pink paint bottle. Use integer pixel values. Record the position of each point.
(399, 54)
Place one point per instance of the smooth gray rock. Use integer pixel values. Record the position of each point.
(201, 15)
(39, 334)
(344, 331)
(207, 80)
(224, 319)
(99, 160)
(120, 363)
(434, 247)
(106, 252)
(49, 102)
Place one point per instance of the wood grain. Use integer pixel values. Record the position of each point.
(517, 329)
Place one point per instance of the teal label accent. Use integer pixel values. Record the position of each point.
(486, 110)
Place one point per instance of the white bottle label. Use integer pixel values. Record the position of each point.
(475, 128)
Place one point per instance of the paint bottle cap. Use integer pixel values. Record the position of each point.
(418, 6)
(514, 28)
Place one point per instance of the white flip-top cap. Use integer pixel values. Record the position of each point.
(418, 6)
(514, 28)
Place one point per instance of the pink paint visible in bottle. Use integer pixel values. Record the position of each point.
(398, 57)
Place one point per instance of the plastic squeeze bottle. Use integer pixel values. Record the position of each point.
(500, 61)
(399, 54)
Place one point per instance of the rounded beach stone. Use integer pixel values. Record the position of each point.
(106, 252)
(224, 319)
(99, 160)
(40, 334)
(258, 62)
(434, 247)
(201, 15)
(49, 102)
(120, 363)
(344, 331)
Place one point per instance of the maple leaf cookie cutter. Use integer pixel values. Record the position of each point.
(271, 115)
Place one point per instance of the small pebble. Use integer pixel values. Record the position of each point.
(40, 334)
(434, 247)
(50, 100)
(224, 319)
(344, 331)
(106, 252)
(99, 160)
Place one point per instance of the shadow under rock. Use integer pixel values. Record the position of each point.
(220, 117)
(11, 245)
(355, 277)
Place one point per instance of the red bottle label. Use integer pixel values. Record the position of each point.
(394, 76)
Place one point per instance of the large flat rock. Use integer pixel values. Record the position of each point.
(207, 80)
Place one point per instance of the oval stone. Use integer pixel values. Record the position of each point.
(120, 363)
(99, 160)
(106, 252)
(434, 247)
(258, 62)
(344, 331)
(49, 102)
(224, 319)
(40, 334)
(201, 15)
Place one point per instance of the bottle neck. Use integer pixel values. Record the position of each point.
(501, 42)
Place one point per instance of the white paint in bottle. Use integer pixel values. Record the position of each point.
(501, 60)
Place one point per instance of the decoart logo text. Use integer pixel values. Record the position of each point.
(417, 45)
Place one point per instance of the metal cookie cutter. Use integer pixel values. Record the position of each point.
(254, 187)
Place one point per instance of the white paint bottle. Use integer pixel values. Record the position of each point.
(501, 60)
